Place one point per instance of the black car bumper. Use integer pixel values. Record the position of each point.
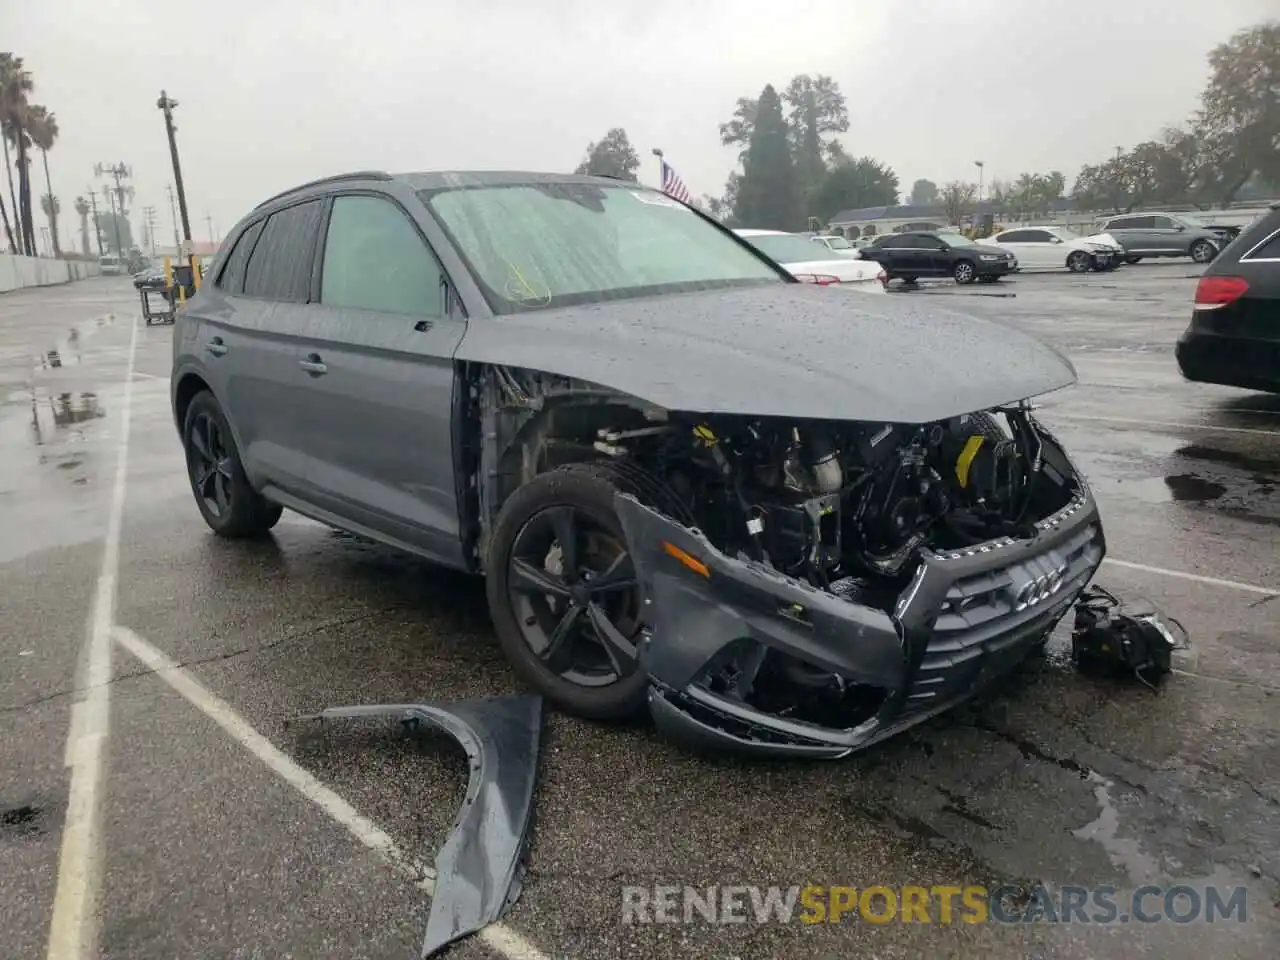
(1232, 361)
(959, 625)
(996, 268)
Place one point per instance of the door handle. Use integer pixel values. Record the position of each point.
(216, 347)
(313, 365)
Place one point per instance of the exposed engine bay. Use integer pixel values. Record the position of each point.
(846, 507)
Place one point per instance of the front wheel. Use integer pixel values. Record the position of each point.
(227, 501)
(1202, 251)
(1132, 259)
(964, 272)
(563, 593)
(1078, 261)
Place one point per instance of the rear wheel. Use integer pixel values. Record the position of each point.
(227, 501)
(563, 594)
(1132, 259)
(964, 271)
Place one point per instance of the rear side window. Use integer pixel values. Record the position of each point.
(1161, 223)
(280, 267)
(375, 259)
(232, 277)
(1267, 250)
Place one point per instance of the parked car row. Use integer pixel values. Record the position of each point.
(819, 263)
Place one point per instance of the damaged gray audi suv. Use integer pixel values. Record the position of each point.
(787, 521)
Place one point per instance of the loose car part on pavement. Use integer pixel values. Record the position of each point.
(478, 868)
(1135, 639)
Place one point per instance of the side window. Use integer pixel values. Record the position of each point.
(1037, 236)
(1161, 223)
(375, 259)
(925, 243)
(280, 267)
(1016, 236)
(1268, 250)
(1123, 223)
(232, 277)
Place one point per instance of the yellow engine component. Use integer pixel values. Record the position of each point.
(966, 458)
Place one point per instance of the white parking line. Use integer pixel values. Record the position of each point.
(1211, 427)
(1197, 578)
(498, 937)
(73, 926)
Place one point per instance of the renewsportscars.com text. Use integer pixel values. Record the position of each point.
(815, 904)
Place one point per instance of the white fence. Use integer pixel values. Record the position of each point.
(19, 272)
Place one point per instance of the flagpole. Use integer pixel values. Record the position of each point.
(658, 153)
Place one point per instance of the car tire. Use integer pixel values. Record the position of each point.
(964, 272)
(1132, 259)
(1079, 261)
(597, 673)
(223, 494)
(905, 280)
(1202, 251)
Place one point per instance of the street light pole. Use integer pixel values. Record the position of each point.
(981, 171)
(167, 105)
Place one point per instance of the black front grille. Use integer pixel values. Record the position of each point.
(988, 620)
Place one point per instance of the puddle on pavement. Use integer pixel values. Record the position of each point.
(1124, 854)
(65, 410)
(1188, 488)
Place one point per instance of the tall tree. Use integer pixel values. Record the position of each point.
(612, 156)
(924, 193)
(767, 192)
(957, 198)
(44, 133)
(1241, 105)
(737, 132)
(816, 112)
(860, 183)
(51, 207)
(112, 225)
(15, 84)
(82, 211)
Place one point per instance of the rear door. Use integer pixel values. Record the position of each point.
(378, 354)
(1033, 248)
(266, 392)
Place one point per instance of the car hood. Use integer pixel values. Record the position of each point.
(990, 249)
(787, 350)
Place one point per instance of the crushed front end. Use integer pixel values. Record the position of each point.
(872, 599)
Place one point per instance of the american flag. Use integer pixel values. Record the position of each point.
(673, 186)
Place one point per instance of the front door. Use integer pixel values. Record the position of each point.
(1034, 248)
(378, 352)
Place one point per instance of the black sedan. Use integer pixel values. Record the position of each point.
(149, 278)
(907, 256)
(1233, 338)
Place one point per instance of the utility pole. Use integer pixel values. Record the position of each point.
(173, 212)
(97, 227)
(150, 214)
(167, 105)
(981, 171)
(115, 220)
(117, 172)
(208, 219)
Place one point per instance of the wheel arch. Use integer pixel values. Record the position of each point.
(188, 385)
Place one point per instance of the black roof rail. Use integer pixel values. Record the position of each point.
(336, 178)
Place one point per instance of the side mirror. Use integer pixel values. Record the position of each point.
(1180, 228)
(1056, 240)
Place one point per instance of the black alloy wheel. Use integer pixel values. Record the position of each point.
(227, 501)
(1079, 262)
(572, 587)
(209, 464)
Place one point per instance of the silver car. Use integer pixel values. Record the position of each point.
(1163, 235)
(780, 519)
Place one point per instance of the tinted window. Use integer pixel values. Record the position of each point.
(1270, 250)
(556, 243)
(280, 267)
(1137, 223)
(375, 259)
(1038, 236)
(1017, 236)
(1124, 223)
(1161, 223)
(923, 243)
(889, 242)
(232, 277)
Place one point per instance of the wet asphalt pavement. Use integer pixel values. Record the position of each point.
(1055, 777)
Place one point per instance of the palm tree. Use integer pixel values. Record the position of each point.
(15, 84)
(82, 211)
(52, 207)
(44, 133)
(10, 69)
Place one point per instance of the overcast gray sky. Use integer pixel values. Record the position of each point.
(274, 92)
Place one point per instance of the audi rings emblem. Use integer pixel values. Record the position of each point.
(1041, 588)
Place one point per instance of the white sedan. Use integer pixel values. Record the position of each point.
(814, 263)
(1055, 248)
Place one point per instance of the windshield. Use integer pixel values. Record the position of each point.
(107, 261)
(788, 248)
(837, 243)
(955, 240)
(532, 246)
